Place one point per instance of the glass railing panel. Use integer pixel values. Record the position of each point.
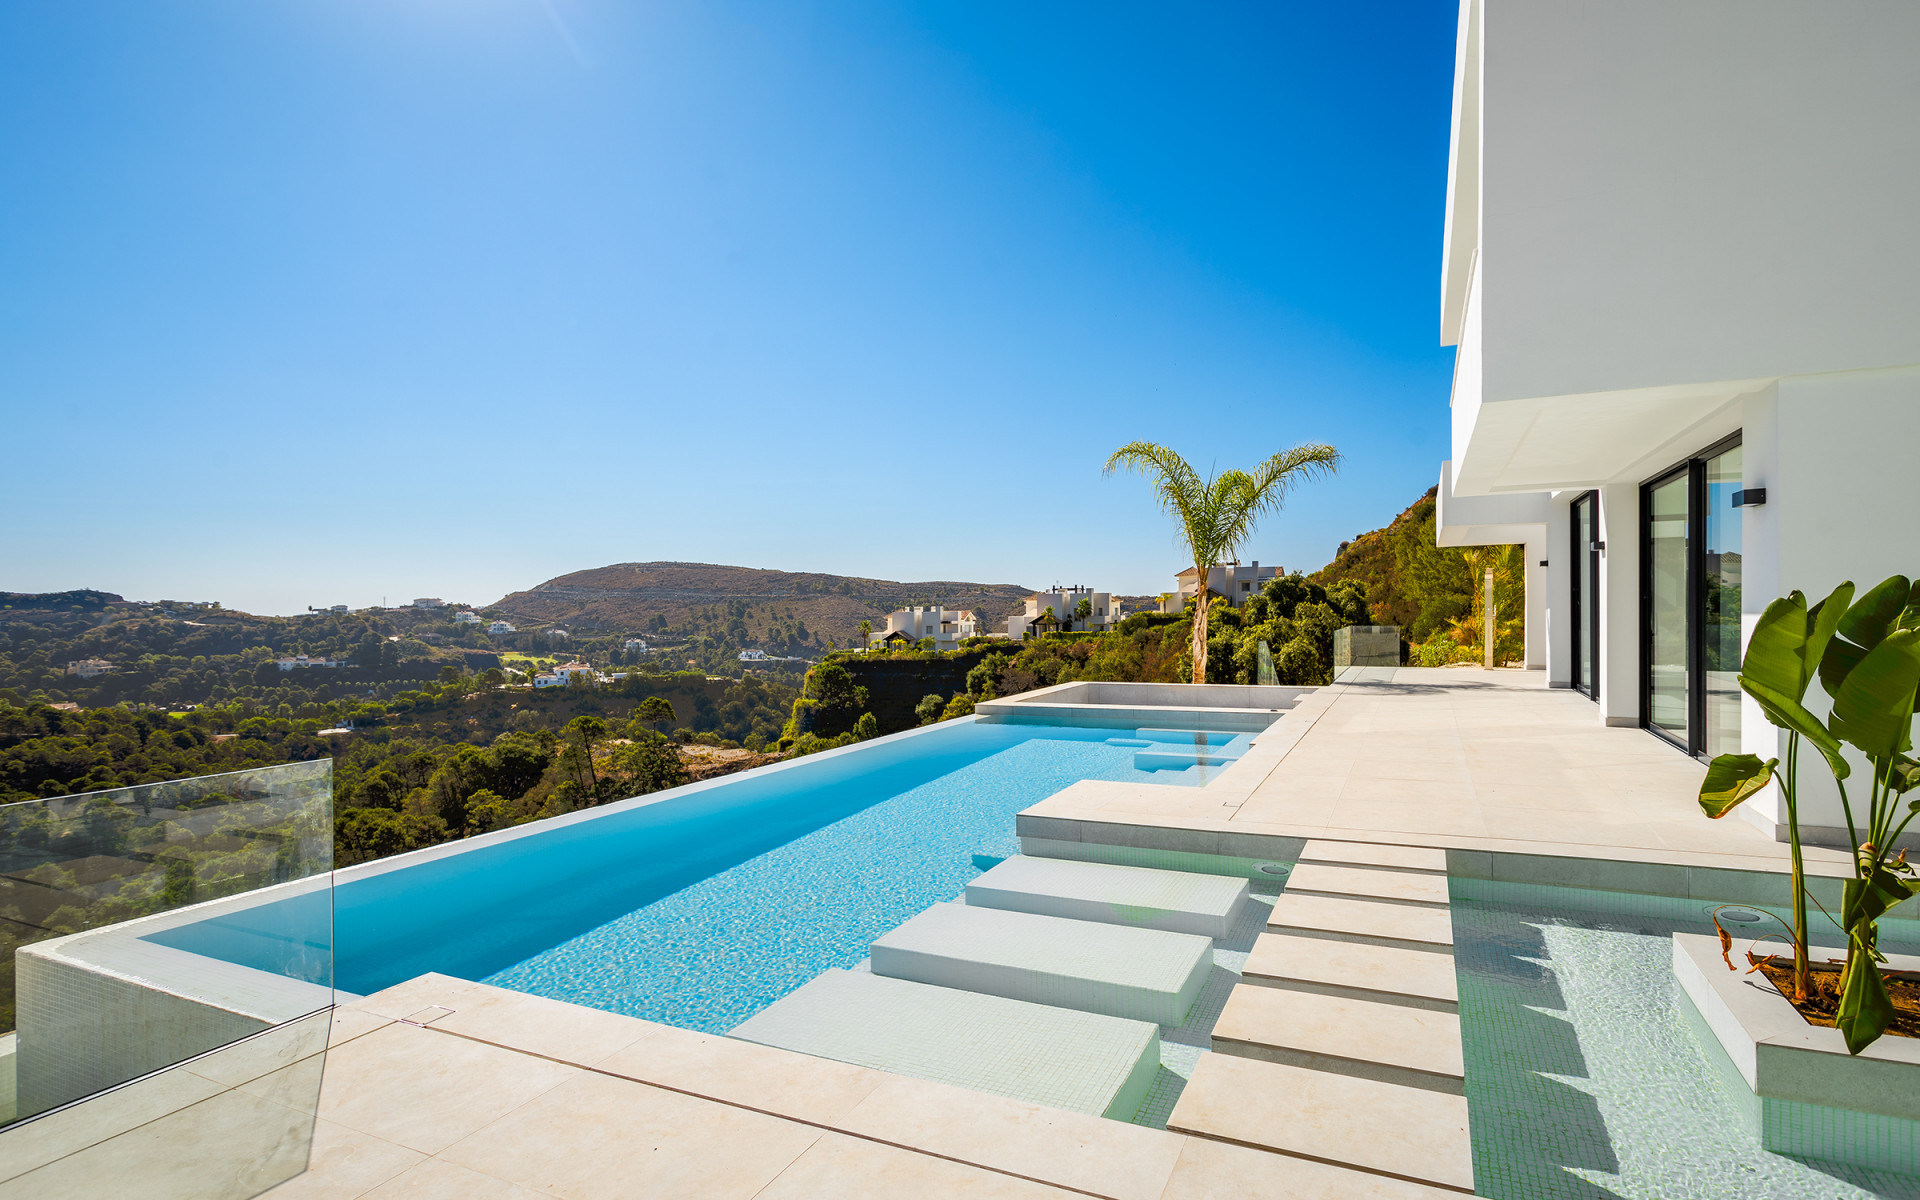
(168, 956)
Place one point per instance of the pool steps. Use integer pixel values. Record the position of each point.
(1369, 922)
(1391, 1043)
(1116, 970)
(1205, 905)
(1060, 1057)
(1342, 1042)
(1387, 974)
(1380, 885)
(1340, 1047)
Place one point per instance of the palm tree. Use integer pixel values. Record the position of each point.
(1218, 514)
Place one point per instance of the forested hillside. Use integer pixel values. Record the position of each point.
(1429, 591)
(779, 611)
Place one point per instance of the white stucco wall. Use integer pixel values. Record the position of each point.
(1686, 193)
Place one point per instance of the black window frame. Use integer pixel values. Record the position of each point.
(1585, 567)
(1695, 468)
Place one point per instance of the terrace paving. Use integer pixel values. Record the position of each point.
(501, 1094)
(1459, 759)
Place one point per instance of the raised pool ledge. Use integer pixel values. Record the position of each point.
(1805, 1095)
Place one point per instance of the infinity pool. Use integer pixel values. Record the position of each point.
(703, 905)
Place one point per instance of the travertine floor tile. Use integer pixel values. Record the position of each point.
(596, 1136)
(1375, 854)
(437, 1179)
(1363, 883)
(1421, 978)
(1391, 1042)
(1402, 1131)
(1412, 927)
(838, 1167)
(1089, 1154)
(345, 1163)
(767, 1078)
(426, 1090)
(1210, 1170)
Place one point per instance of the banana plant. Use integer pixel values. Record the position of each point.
(1783, 657)
(1872, 672)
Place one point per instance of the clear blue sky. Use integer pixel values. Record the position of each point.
(321, 301)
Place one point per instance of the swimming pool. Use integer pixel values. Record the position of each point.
(703, 905)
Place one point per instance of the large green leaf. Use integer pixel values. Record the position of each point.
(1789, 640)
(1874, 709)
(1730, 779)
(1788, 713)
(1865, 1008)
(1842, 656)
(1873, 616)
(1903, 774)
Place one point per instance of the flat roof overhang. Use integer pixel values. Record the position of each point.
(1486, 520)
(1555, 443)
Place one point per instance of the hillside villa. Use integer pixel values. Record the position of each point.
(945, 626)
(1059, 609)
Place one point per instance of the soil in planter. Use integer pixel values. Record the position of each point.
(1823, 994)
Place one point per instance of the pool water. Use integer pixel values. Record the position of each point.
(1585, 1082)
(702, 905)
(711, 954)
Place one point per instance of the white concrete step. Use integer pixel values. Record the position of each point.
(1375, 856)
(1369, 883)
(1414, 978)
(1406, 926)
(1141, 974)
(1179, 901)
(1389, 1042)
(1059, 1057)
(1407, 1133)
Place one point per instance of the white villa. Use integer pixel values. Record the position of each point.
(88, 668)
(301, 661)
(1233, 580)
(1063, 602)
(634, 643)
(500, 627)
(1681, 279)
(466, 618)
(429, 602)
(945, 626)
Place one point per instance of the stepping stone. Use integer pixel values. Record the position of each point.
(1412, 1047)
(1406, 926)
(1141, 974)
(1369, 883)
(1414, 978)
(1079, 1061)
(1402, 1132)
(1182, 902)
(1376, 856)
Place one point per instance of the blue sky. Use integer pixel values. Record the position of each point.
(320, 302)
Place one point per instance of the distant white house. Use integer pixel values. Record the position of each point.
(1064, 602)
(87, 668)
(558, 633)
(429, 602)
(945, 626)
(302, 661)
(632, 644)
(466, 618)
(500, 627)
(753, 656)
(575, 672)
(1235, 581)
(546, 680)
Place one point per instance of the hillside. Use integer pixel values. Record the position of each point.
(742, 606)
(1371, 558)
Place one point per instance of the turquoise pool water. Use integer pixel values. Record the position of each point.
(703, 906)
(1585, 1082)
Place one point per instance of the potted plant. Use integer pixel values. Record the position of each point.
(1866, 655)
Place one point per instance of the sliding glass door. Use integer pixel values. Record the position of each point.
(1584, 555)
(1667, 518)
(1690, 602)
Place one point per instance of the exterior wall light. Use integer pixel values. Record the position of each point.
(1749, 497)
